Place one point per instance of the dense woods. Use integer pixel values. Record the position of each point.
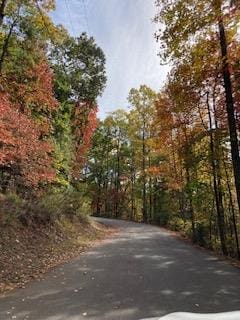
(49, 85)
(171, 159)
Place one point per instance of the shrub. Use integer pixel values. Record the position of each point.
(176, 224)
(11, 208)
(47, 209)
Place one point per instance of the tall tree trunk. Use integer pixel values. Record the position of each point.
(217, 183)
(111, 195)
(106, 196)
(98, 207)
(179, 195)
(189, 191)
(107, 181)
(232, 210)
(230, 106)
(117, 177)
(150, 193)
(155, 199)
(191, 209)
(144, 200)
(133, 177)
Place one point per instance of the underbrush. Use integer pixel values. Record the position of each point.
(27, 252)
(36, 235)
(44, 210)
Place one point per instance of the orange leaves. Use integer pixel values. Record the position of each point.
(40, 92)
(154, 171)
(36, 90)
(25, 122)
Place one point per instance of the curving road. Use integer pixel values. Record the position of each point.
(142, 272)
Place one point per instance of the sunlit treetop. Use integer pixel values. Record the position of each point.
(183, 21)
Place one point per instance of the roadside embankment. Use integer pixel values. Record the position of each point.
(27, 252)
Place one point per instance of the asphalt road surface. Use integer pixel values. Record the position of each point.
(142, 272)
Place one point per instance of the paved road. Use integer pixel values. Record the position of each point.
(142, 272)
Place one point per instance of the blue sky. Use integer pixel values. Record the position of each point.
(124, 30)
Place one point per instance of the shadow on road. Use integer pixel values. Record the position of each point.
(142, 272)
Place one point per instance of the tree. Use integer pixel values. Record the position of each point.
(83, 132)
(30, 164)
(26, 27)
(181, 29)
(2, 10)
(80, 75)
(56, 99)
(79, 71)
(142, 102)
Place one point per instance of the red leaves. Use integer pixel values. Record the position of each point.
(88, 132)
(85, 125)
(40, 89)
(21, 148)
(34, 89)
(25, 122)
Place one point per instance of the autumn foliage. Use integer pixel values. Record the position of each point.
(36, 89)
(45, 124)
(85, 123)
(23, 153)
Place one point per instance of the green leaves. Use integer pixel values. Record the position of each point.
(60, 118)
(79, 65)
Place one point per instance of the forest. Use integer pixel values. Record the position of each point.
(49, 85)
(171, 158)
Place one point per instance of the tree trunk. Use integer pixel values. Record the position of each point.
(2, 8)
(98, 200)
(150, 194)
(133, 178)
(217, 184)
(189, 192)
(230, 109)
(117, 178)
(191, 209)
(155, 199)
(5, 46)
(232, 210)
(144, 207)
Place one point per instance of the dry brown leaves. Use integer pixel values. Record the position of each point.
(28, 252)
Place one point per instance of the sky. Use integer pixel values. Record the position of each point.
(125, 32)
